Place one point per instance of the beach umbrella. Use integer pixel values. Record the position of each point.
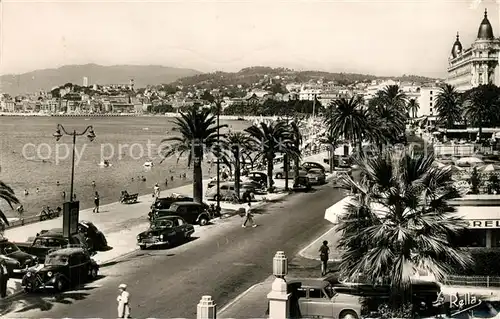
(454, 169)
(489, 168)
(469, 161)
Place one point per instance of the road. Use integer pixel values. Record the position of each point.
(223, 262)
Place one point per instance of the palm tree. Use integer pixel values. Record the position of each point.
(399, 221)
(448, 106)
(388, 121)
(413, 107)
(296, 137)
(348, 120)
(8, 195)
(482, 105)
(198, 133)
(392, 96)
(236, 143)
(332, 142)
(272, 138)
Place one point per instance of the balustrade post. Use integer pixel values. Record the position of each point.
(206, 308)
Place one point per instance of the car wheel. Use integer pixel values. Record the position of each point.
(142, 247)
(279, 176)
(187, 235)
(348, 314)
(203, 221)
(59, 285)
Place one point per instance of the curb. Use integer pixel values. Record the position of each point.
(12, 296)
(302, 251)
(241, 296)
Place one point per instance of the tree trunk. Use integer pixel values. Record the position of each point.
(296, 163)
(197, 174)
(286, 167)
(270, 166)
(237, 173)
(331, 158)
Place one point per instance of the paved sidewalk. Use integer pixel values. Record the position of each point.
(311, 251)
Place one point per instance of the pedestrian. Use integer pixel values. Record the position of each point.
(166, 182)
(248, 216)
(26, 192)
(123, 302)
(74, 197)
(183, 175)
(93, 184)
(172, 178)
(37, 190)
(156, 191)
(4, 278)
(63, 195)
(96, 202)
(324, 251)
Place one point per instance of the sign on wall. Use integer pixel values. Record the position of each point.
(484, 223)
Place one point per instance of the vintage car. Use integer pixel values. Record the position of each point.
(258, 177)
(280, 172)
(312, 165)
(165, 202)
(316, 176)
(43, 243)
(301, 184)
(191, 212)
(316, 298)
(63, 268)
(94, 238)
(16, 261)
(227, 190)
(165, 231)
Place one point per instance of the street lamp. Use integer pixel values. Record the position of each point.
(71, 209)
(57, 135)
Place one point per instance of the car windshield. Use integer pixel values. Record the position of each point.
(162, 224)
(330, 292)
(8, 248)
(56, 260)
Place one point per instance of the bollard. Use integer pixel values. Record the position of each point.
(206, 308)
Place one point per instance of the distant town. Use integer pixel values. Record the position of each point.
(311, 95)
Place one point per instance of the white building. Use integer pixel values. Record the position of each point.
(309, 94)
(85, 81)
(376, 86)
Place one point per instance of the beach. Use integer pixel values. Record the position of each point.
(31, 158)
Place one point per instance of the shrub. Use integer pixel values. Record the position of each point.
(485, 263)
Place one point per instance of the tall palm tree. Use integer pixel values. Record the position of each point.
(448, 106)
(348, 120)
(413, 107)
(296, 137)
(236, 143)
(8, 195)
(272, 138)
(394, 97)
(399, 220)
(198, 134)
(332, 142)
(482, 105)
(388, 121)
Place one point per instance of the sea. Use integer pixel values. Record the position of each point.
(32, 160)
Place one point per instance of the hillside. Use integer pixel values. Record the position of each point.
(117, 74)
(252, 75)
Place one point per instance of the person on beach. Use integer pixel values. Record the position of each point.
(93, 184)
(26, 192)
(248, 216)
(20, 212)
(123, 300)
(4, 279)
(156, 191)
(166, 182)
(184, 175)
(143, 178)
(324, 251)
(172, 178)
(74, 197)
(96, 203)
(37, 190)
(63, 195)
(57, 183)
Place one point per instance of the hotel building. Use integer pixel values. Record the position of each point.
(478, 64)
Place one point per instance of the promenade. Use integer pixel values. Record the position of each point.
(121, 223)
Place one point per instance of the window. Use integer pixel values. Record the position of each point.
(223, 187)
(316, 293)
(430, 109)
(430, 98)
(301, 293)
(431, 92)
(430, 104)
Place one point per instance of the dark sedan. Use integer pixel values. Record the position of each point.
(16, 261)
(165, 231)
(95, 239)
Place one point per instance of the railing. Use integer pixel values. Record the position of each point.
(481, 281)
(25, 221)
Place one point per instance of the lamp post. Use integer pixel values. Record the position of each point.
(58, 135)
(279, 297)
(71, 208)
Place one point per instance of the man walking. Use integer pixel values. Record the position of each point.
(248, 216)
(123, 302)
(156, 191)
(324, 251)
(4, 279)
(96, 202)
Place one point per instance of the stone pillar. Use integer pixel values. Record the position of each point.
(489, 238)
(279, 307)
(206, 308)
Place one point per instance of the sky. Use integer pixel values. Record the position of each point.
(370, 36)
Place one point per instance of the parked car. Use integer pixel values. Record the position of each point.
(191, 212)
(165, 231)
(340, 161)
(316, 298)
(307, 166)
(16, 261)
(94, 238)
(301, 183)
(42, 244)
(165, 202)
(280, 172)
(228, 190)
(258, 177)
(316, 176)
(63, 268)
